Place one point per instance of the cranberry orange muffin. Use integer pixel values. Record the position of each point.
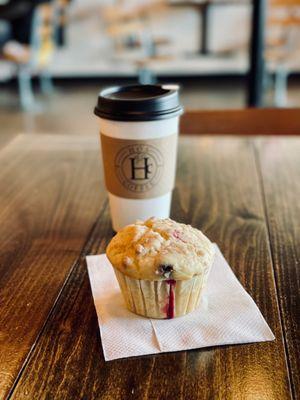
(161, 266)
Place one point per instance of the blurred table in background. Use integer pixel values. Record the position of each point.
(242, 192)
(203, 8)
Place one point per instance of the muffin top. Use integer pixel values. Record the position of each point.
(160, 249)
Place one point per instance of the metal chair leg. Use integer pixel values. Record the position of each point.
(46, 83)
(146, 76)
(25, 89)
(267, 81)
(280, 87)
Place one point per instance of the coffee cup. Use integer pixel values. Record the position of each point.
(139, 135)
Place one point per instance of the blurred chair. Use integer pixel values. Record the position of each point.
(249, 121)
(282, 45)
(34, 59)
(127, 24)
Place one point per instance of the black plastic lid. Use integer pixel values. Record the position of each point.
(138, 102)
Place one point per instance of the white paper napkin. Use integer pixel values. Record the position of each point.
(227, 315)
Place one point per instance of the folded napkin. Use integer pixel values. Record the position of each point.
(226, 315)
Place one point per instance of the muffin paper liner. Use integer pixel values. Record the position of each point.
(154, 299)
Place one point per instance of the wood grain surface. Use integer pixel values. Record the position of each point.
(50, 198)
(218, 189)
(5, 138)
(280, 168)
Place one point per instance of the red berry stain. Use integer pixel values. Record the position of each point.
(177, 235)
(170, 309)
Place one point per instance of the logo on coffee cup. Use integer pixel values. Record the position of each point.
(139, 167)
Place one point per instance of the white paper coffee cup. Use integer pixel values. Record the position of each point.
(139, 134)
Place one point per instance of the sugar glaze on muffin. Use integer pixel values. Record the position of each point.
(160, 249)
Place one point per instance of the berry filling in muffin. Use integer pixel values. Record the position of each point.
(170, 308)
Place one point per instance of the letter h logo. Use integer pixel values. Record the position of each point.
(140, 170)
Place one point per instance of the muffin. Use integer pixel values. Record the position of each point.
(161, 266)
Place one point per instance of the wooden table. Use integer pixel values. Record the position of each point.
(243, 193)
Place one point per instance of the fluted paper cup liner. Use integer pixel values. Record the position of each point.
(161, 299)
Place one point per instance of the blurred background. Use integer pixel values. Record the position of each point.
(56, 55)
